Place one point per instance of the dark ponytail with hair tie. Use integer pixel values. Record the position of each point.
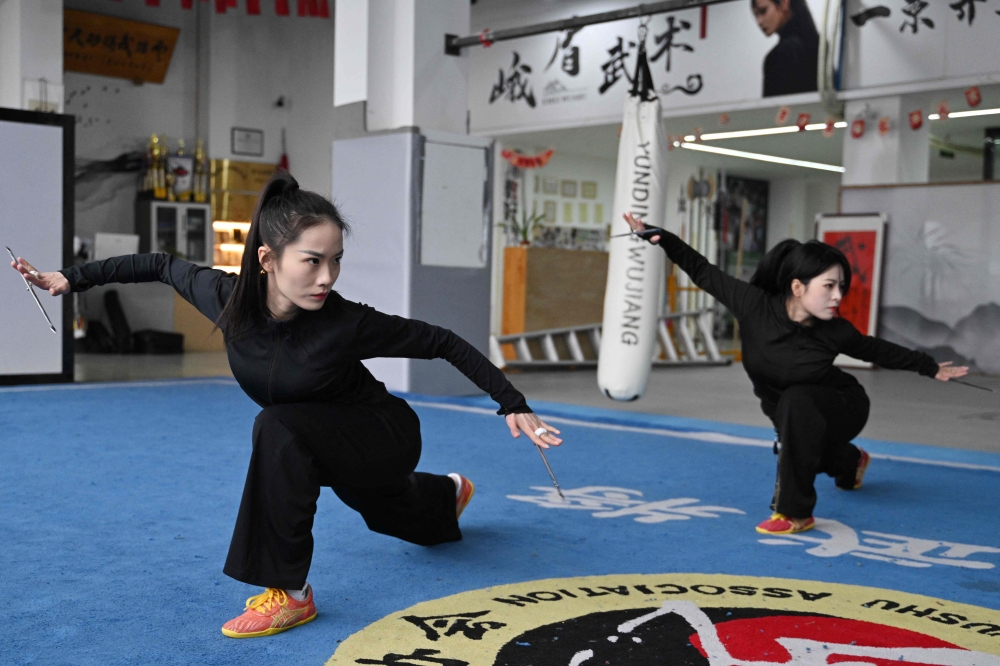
(282, 213)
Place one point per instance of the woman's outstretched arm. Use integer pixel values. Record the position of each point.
(739, 296)
(891, 356)
(388, 336)
(205, 288)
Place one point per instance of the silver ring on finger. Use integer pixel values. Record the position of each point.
(540, 432)
(34, 274)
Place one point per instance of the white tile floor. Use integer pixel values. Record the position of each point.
(905, 406)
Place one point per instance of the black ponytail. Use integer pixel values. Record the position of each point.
(791, 260)
(282, 213)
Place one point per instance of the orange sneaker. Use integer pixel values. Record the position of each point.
(862, 468)
(780, 524)
(270, 613)
(464, 493)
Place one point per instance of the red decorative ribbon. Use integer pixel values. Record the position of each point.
(527, 161)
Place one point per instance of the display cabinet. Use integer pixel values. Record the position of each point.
(179, 228)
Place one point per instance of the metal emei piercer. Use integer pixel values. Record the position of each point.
(548, 468)
(31, 291)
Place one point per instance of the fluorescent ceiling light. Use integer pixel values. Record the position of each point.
(762, 158)
(966, 114)
(742, 134)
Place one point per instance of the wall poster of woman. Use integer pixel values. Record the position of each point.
(790, 67)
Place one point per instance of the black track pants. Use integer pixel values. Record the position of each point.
(815, 426)
(366, 453)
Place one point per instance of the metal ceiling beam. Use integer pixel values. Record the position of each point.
(453, 44)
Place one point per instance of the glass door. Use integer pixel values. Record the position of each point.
(196, 227)
(165, 221)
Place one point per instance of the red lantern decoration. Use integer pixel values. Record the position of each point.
(782, 116)
(858, 128)
(916, 119)
(973, 96)
(943, 110)
(884, 125)
(723, 118)
(802, 121)
(829, 127)
(527, 161)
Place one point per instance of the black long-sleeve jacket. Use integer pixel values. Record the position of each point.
(315, 356)
(778, 352)
(791, 65)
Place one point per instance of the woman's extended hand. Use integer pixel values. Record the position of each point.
(55, 283)
(528, 424)
(946, 371)
(636, 226)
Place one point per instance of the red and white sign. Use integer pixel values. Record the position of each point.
(973, 96)
(858, 128)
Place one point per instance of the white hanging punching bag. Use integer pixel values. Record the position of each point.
(635, 268)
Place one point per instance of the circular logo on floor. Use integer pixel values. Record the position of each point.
(696, 619)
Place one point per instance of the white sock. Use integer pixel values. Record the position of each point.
(458, 482)
(299, 595)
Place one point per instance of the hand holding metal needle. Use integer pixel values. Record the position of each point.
(55, 283)
(540, 433)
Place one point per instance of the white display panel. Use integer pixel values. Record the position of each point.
(453, 225)
(31, 223)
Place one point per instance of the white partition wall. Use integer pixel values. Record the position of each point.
(419, 205)
(36, 221)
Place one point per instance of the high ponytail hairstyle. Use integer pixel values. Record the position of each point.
(791, 260)
(281, 214)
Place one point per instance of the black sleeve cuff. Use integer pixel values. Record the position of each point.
(519, 409)
(928, 367)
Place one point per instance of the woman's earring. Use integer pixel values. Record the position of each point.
(262, 271)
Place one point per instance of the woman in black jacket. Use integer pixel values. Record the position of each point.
(791, 66)
(295, 347)
(790, 335)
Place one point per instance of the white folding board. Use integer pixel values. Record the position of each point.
(31, 223)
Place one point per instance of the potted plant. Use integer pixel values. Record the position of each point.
(524, 229)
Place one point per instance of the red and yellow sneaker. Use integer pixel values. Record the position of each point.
(464, 493)
(270, 613)
(779, 524)
(862, 468)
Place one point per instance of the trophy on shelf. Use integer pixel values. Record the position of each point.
(200, 173)
(159, 176)
(180, 170)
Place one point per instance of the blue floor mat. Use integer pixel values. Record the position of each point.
(117, 503)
